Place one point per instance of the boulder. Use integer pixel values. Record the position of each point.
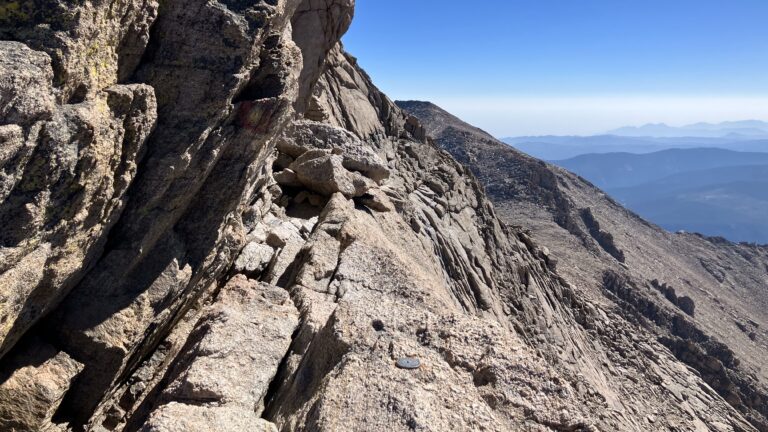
(356, 155)
(287, 178)
(236, 347)
(31, 394)
(254, 258)
(324, 173)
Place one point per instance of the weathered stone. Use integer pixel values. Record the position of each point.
(309, 135)
(180, 417)
(254, 258)
(166, 338)
(283, 161)
(377, 200)
(287, 177)
(32, 393)
(26, 95)
(93, 45)
(63, 188)
(225, 78)
(281, 233)
(235, 349)
(320, 258)
(220, 378)
(325, 174)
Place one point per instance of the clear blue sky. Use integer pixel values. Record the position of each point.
(517, 67)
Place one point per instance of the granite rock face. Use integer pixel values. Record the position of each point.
(213, 220)
(65, 173)
(702, 298)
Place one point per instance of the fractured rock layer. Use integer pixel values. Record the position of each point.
(702, 298)
(215, 221)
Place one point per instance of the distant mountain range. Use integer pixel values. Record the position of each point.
(737, 129)
(746, 135)
(730, 201)
(711, 191)
(703, 177)
(610, 171)
(563, 147)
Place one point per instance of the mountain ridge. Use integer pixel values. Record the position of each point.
(214, 220)
(583, 228)
(613, 170)
(743, 128)
(564, 147)
(686, 189)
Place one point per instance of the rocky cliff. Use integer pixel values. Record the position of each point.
(703, 298)
(213, 220)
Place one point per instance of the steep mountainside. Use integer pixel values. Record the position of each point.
(705, 299)
(212, 220)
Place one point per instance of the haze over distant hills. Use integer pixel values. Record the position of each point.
(728, 201)
(609, 171)
(732, 129)
(703, 177)
(745, 135)
(564, 147)
(708, 190)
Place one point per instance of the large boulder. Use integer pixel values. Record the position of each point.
(234, 351)
(357, 156)
(323, 172)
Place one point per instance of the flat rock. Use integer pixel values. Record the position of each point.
(236, 347)
(179, 417)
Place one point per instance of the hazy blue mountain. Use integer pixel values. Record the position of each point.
(616, 170)
(707, 190)
(564, 147)
(716, 185)
(746, 129)
(727, 201)
(688, 180)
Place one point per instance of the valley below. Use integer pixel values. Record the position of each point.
(715, 186)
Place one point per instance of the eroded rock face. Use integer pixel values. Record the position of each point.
(221, 377)
(702, 298)
(65, 173)
(217, 222)
(131, 271)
